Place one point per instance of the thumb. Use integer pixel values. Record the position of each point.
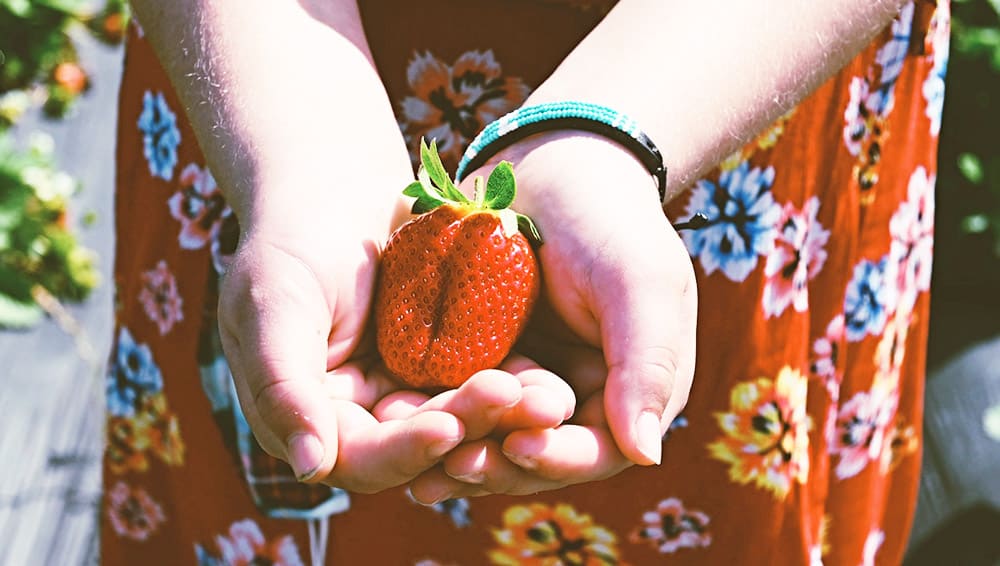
(275, 340)
(648, 335)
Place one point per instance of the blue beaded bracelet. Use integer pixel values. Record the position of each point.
(569, 115)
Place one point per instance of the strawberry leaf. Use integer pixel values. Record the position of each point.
(431, 162)
(422, 205)
(425, 202)
(501, 187)
(425, 180)
(530, 231)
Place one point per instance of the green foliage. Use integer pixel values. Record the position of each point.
(37, 248)
(37, 54)
(40, 257)
(968, 215)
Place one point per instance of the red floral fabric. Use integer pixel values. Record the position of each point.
(801, 441)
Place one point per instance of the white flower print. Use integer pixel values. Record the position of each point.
(160, 299)
(862, 428)
(452, 103)
(798, 256)
(872, 544)
(912, 229)
(672, 526)
(246, 545)
(826, 355)
(199, 206)
(133, 514)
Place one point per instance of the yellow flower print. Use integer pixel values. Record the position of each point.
(125, 450)
(764, 141)
(545, 535)
(153, 429)
(902, 442)
(821, 546)
(766, 433)
(891, 351)
(824, 534)
(164, 431)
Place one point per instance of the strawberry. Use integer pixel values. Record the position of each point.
(456, 283)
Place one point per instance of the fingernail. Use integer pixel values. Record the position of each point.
(523, 461)
(441, 447)
(474, 477)
(649, 439)
(305, 455)
(438, 499)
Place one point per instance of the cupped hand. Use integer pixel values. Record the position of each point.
(617, 321)
(291, 315)
(293, 310)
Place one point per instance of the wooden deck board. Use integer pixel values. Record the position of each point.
(51, 416)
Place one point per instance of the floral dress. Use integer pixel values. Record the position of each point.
(801, 441)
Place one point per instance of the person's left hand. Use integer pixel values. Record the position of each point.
(616, 321)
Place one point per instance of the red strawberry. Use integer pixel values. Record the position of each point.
(457, 283)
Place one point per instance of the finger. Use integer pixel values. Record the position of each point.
(530, 373)
(359, 382)
(377, 456)
(569, 454)
(482, 465)
(538, 408)
(591, 413)
(434, 486)
(399, 405)
(275, 340)
(479, 403)
(647, 329)
(546, 400)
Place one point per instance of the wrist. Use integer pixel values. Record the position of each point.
(319, 204)
(566, 170)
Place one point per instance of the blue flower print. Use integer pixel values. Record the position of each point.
(892, 56)
(132, 375)
(678, 423)
(869, 299)
(934, 94)
(160, 135)
(934, 84)
(203, 558)
(742, 221)
(456, 509)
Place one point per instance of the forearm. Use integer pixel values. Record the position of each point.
(285, 102)
(703, 78)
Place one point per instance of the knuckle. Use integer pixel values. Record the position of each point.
(274, 399)
(655, 375)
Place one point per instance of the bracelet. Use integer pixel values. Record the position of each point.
(569, 115)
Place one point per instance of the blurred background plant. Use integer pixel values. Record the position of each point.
(42, 262)
(965, 301)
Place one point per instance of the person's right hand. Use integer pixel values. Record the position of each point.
(292, 313)
(291, 308)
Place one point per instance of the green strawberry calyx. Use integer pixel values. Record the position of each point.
(434, 188)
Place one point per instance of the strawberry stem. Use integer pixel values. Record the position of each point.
(479, 192)
(434, 188)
